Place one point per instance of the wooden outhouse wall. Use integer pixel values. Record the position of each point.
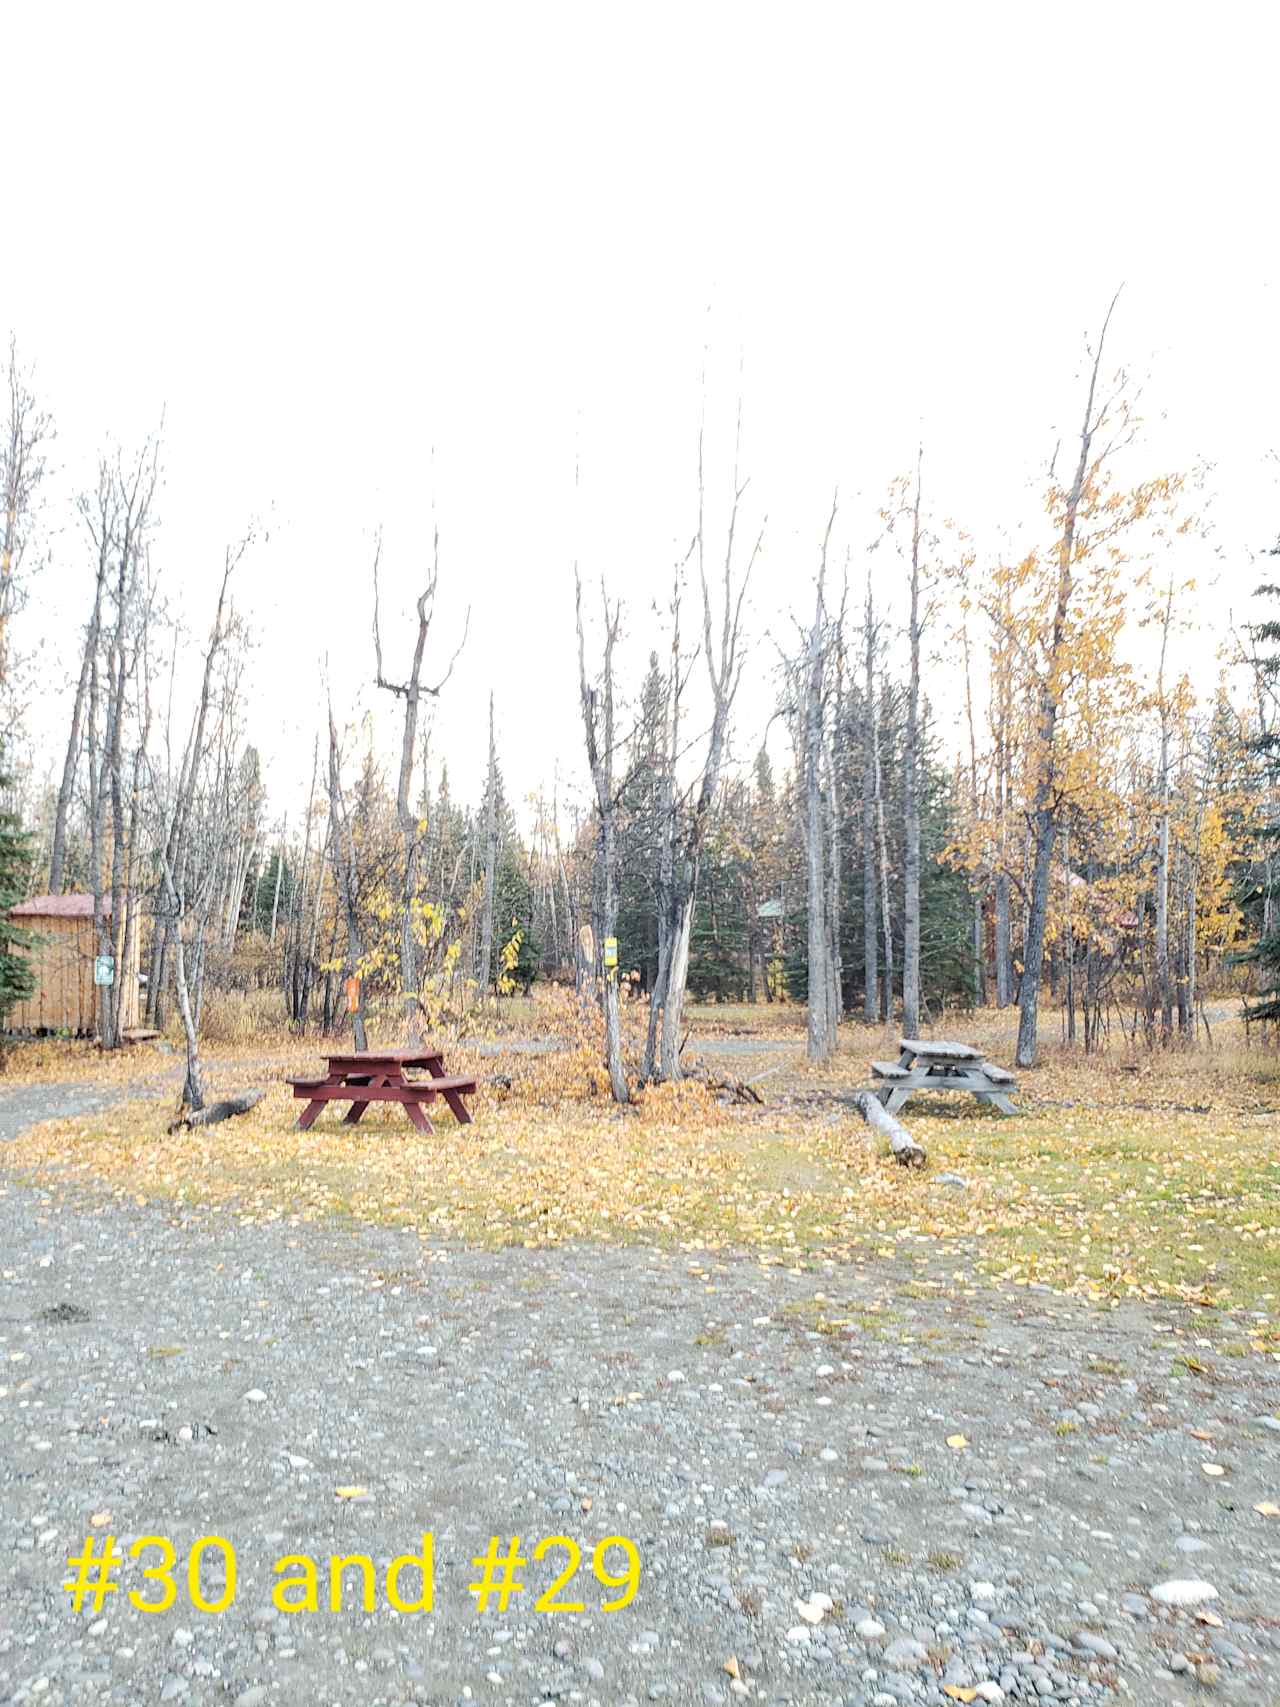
(65, 998)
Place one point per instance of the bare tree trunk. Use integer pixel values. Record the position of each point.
(411, 692)
(668, 807)
(275, 898)
(979, 966)
(886, 915)
(1003, 928)
(677, 973)
(130, 930)
(819, 1026)
(870, 786)
(1069, 941)
(343, 853)
(1189, 993)
(157, 972)
(238, 868)
(66, 789)
(1004, 943)
(835, 865)
(295, 973)
(1163, 990)
(911, 798)
(310, 963)
(835, 870)
(979, 959)
(597, 724)
(485, 970)
(193, 1085)
(22, 468)
(722, 656)
(821, 1023)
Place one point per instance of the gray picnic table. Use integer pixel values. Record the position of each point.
(928, 1066)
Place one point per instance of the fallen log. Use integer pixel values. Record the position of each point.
(878, 1118)
(737, 1090)
(224, 1110)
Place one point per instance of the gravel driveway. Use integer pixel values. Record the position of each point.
(775, 1445)
(26, 1105)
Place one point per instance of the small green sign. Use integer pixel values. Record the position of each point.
(104, 969)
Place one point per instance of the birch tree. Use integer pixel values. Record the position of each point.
(412, 823)
(190, 842)
(119, 520)
(343, 854)
(484, 963)
(598, 716)
(26, 433)
(721, 649)
(71, 759)
(911, 793)
(822, 1016)
(870, 803)
(1069, 634)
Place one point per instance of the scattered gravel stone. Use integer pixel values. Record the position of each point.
(906, 1654)
(1183, 1591)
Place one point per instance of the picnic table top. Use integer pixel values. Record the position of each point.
(941, 1051)
(380, 1057)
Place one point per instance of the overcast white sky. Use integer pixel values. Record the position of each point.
(329, 241)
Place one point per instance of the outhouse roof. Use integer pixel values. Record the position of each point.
(58, 907)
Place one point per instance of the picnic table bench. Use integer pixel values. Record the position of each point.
(927, 1066)
(371, 1075)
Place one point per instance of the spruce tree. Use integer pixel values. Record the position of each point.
(16, 978)
(1266, 951)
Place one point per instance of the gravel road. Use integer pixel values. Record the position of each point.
(26, 1105)
(780, 1460)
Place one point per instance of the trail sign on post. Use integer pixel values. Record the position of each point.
(353, 995)
(611, 953)
(104, 969)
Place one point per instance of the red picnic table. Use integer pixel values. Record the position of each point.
(378, 1075)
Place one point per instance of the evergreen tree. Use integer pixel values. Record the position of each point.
(1266, 951)
(640, 808)
(262, 894)
(719, 964)
(512, 918)
(16, 978)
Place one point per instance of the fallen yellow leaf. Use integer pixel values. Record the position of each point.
(959, 1692)
(1213, 1469)
(100, 1519)
(731, 1666)
(350, 1493)
(1267, 1508)
(957, 1442)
